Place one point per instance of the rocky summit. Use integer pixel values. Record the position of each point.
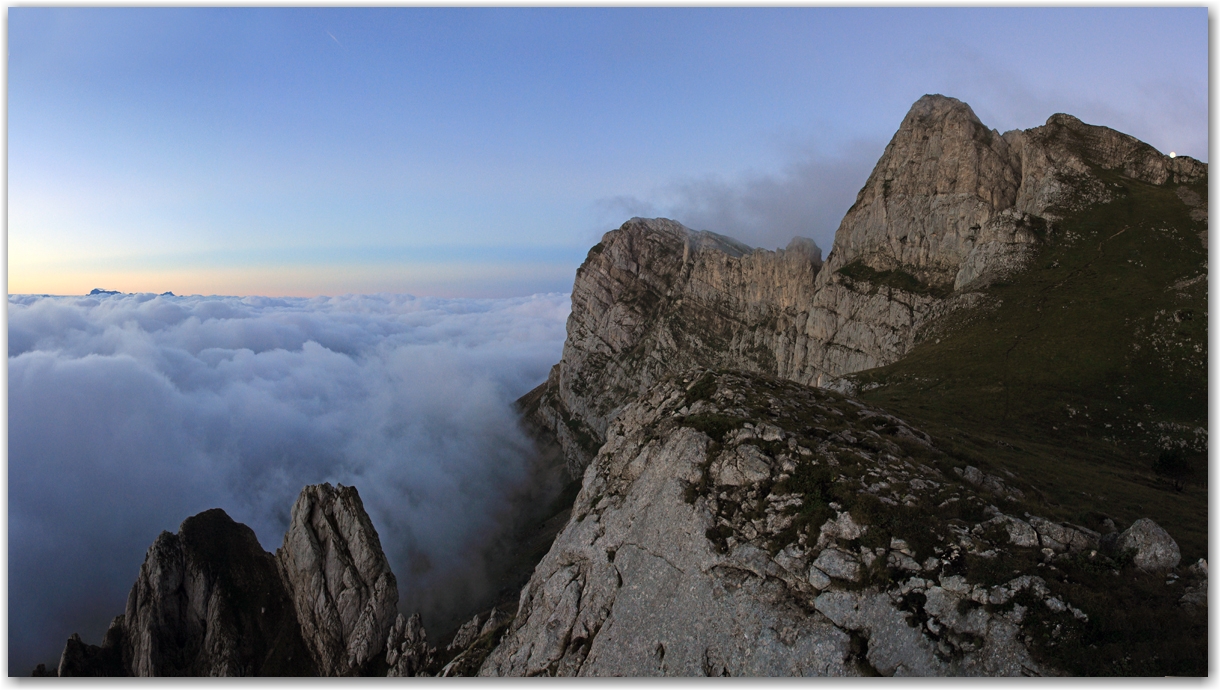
(969, 441)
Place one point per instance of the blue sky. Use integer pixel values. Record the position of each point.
(481, 151)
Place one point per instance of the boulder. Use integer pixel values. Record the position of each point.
(1020, 533)
(742, 466)
(1154, 549)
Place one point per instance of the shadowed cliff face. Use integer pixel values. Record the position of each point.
(951, 208)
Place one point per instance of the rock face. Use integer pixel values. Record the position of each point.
(345, 595)
(950, 207)
(733, 520)
(654, 297)
(736, 524)
(210, 602)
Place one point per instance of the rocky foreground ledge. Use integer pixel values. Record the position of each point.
(738, 524)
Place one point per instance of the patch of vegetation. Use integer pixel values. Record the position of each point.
(1173, 465)
(1001, 568)
(1078, 375)
(918, 525)
(703, 389)
(1134, 626)
(718, 536)
(859, 272)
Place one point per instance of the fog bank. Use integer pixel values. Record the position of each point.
(129, 413)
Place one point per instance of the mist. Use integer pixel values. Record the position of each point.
(807, 197)
(130, 413)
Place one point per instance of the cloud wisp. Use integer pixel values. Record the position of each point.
(808, 197)
(129, 413)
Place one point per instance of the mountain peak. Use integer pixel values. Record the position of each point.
(934, 106)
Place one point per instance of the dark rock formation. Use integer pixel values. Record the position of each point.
(216, 591)
(209, 601)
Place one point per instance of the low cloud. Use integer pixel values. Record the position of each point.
(808, 197)
(129, 413)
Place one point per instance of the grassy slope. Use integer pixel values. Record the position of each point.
(1088, 366)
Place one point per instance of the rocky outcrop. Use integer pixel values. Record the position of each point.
(81, 659)
(210, 602)
(345, 595)
(736, 524)
(950, 208)
(407, 650)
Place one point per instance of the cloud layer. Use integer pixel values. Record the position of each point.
(129, 413)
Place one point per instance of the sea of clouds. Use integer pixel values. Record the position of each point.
(129, 413)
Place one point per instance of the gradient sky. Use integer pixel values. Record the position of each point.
(480, 152)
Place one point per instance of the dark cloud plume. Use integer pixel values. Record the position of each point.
(129, 413)
(807, 198)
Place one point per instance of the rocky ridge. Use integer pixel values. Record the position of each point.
(950, 207)
(723, 502)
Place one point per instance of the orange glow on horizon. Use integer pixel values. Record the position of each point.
(453, 280)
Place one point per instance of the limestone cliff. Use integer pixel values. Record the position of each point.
(655, 297)
(950, 207)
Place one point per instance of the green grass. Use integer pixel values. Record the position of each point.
(1088, 360)
(858, 271)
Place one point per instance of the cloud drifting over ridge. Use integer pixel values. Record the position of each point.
(808, 197)
(129, 413)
